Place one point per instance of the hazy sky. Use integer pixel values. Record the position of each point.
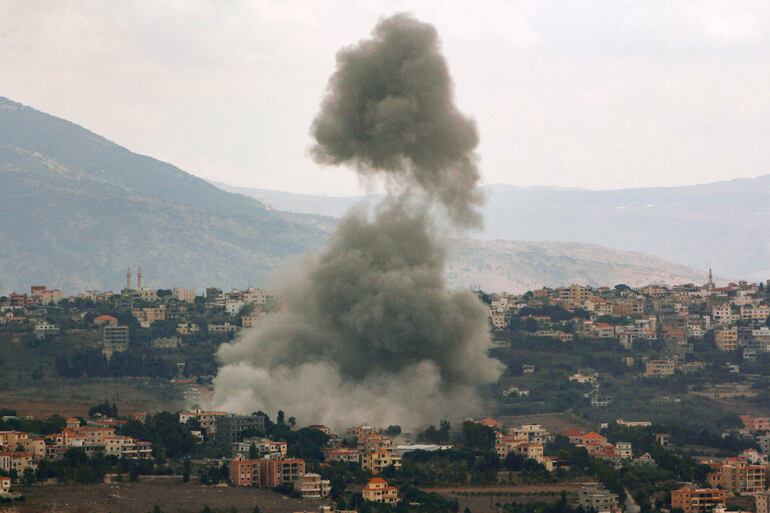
(578, 94)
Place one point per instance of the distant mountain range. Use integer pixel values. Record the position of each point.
(76, 210)
(518, 266)
(724, 225)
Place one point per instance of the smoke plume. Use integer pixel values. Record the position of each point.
(390, 108)
(369, 331)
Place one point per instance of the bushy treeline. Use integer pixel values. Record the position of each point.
(91, 362)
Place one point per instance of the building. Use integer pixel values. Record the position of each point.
(377, 460)
(311, 486)
(166, 343)
(264, 447)
(276, 472)
(184, 295)
(598, 499)
(659, 368)
(127, 447)
(244, 472)
(222, 329)
(726, 339)
(378, 490)
(114, 340)
(343, 454)
(105, 320)
(762, 502)
(5, 485)
(44, 329)
(697, 500)
(737, 475)
(207, 420)
(230, 428)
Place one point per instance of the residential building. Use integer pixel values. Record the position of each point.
(599, 499)
(378, 490)
(230, 428)
(659, 368)
(5, 485)
(375, 461)
(244, 472)
(274, 472)
(311, 486)
(726, 339)
(697, 500)
(206, 419)
(114, 340)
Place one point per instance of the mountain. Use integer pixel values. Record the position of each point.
(724, 225)
(76, 210)
(518, 266)
(332, 206)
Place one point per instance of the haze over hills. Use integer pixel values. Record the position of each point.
(518, 266)
(76, 210)
(724, 225)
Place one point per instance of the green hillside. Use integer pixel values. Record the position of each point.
(76, 210)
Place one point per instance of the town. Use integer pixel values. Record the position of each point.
(710, 340)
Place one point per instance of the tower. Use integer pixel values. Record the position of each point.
(128, 278)
(710, 284)
(139, 278)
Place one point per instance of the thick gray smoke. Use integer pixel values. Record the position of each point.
(369, 332)
(390, 108)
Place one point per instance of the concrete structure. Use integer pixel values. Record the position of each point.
(659, 368)
(697, 500)
(114, 339)
(230, 428)
(311, 486)
(597, 498)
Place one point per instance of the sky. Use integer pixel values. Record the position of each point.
(592, 94)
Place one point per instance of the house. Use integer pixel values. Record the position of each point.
(105, 320)
(584, 378)
(377, 460)
(726, 339)
(343, 454)
(592, 438)
(378, 490)
(659, 368)
(490, 423)
(311, 486)
(5, 485)
(598, 499)
(574, 435)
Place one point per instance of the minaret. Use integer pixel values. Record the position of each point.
(710, 284)
(128, 279)
(139, 278)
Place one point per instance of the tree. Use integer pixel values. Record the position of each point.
(186, 471)
(292, 421)
(253, 452)
(478, 436)
(393, 431)
(280, 417)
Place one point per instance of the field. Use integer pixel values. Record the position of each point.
(553, 422)
(68, 397)
(484, 499)
(171, 495)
